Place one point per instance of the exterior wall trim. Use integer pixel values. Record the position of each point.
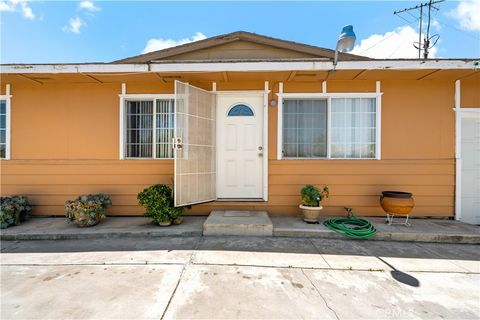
(123, 97)
(328, 96)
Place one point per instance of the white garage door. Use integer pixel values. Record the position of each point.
(470, 166)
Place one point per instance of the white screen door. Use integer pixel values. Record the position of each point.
(194, 145)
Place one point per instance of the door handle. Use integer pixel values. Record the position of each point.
(177, 143)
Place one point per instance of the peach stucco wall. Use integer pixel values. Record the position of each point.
(65, 142)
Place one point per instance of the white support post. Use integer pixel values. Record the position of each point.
(324, 87)
(280, 122)
(8, 118)
(378, 144)
(265, 140)
(458, 152)
(214, 87)
(122, 122)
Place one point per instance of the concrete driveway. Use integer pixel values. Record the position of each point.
(238, 278)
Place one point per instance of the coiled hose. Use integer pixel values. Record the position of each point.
(351, 226)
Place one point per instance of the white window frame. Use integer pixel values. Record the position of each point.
(377, 95)
(8, 116)
(124, 97)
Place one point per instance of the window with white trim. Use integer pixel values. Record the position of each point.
(330, 128)
(149, 126)
(3, 129)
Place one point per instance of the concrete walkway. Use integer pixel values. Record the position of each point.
(238, 278)
(422, 230)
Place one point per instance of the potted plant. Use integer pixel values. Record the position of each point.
(87, 210)
(14, 210)
(158, 203)
(311, 199)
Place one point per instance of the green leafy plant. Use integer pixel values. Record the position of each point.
(14, 210)
(312, 196)
(87, 210)
(158, 203)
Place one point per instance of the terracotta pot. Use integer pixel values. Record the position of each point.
(177, 221)
(164, 223)
(397, 202)
(310, 214)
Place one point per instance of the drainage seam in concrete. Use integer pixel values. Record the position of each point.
(320, 294)
(318, 251)
(188, 263)
(452, 261)
(90, 264)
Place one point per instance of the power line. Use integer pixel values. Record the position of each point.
(391, 35)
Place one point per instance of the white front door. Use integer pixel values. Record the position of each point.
(240, 146)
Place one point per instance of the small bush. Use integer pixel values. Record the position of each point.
(312, 196)
(158, 203)
(87, 210)
(14, 210)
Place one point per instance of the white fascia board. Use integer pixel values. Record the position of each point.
(311, 66)
(241, 66)
(73, 68)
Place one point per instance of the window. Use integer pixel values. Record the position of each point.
(333, 128)
(3, 129)
(240, 110)
(353, 128)
(149, 128)
(305, 128)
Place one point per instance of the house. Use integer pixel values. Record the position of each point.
(250, 120)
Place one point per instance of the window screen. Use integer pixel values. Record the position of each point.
(305, 128)
(3, 129)
(353, 127)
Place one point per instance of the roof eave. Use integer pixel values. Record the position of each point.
(245, 66)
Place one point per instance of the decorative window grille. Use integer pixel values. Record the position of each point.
(149, 128)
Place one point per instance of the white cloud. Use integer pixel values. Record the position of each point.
(467, 14)
(21, 6)
(160, 43)
(74, 25)
(88, 5)
(27, 11)
(7, 6)
(394, 44)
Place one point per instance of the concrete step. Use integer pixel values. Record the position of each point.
(238, 223)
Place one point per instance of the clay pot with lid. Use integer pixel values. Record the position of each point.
(397, 202)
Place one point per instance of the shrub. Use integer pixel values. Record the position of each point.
(312, 196)
(14, 210)
(87, 210)
(158, 203)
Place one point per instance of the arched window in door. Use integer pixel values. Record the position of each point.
(240, 110)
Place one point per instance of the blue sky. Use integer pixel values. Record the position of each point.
(102, 31)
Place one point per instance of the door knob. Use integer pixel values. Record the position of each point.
(260, 153)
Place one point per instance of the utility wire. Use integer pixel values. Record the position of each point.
(391, 35)
(443, 23)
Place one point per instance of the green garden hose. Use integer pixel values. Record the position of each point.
(351, 226)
